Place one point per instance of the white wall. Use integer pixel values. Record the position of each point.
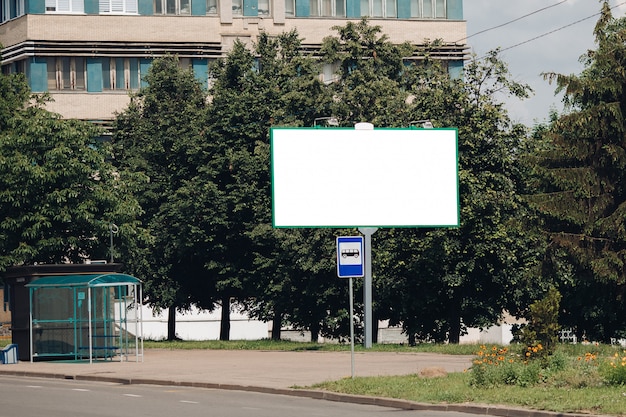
(202, 325)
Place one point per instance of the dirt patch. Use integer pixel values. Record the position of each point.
(434, 372)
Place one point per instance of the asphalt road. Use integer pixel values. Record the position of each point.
(36, 397)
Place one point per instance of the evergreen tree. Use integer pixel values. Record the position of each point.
(582, 177)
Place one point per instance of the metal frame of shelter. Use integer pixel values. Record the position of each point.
(80, 315)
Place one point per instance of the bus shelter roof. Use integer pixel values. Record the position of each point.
(84, 280)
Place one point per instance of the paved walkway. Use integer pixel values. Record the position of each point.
(266, 371)
(269, 369)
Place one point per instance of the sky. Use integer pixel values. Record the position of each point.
(568, 28)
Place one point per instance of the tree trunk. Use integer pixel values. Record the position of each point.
(315, 332)
(411, 339)
(171, 323)
(454, 336)
(277, 323)
(225, 321)
(374, 328)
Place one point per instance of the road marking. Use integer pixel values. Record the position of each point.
(80, 389)
(34, 386)
(133, 395)
(189, 402)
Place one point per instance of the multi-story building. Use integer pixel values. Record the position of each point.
(89, 53)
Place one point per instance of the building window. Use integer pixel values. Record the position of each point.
(120, 74)
(15, 67)
(330, 73)
(69, 73)
(175, 7)
(211, 6)
(65, 73)
(118, 6)
(264, 7)
(10, 9)
(428, 9)
(290, 8)
(379, 8)
(251, 8)
(237, 7)
(65, 6)
(328, 8)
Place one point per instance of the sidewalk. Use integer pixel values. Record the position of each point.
(267, 371)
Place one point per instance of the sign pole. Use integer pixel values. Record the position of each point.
(351, 329)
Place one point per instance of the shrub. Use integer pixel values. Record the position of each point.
(498, 366)
(614, 370)
(542, 331)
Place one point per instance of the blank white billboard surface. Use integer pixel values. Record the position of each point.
(335, 177)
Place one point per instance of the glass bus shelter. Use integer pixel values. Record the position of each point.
(79, 317)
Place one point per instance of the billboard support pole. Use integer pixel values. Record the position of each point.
(367, 285)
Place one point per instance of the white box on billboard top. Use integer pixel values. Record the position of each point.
(344, 177)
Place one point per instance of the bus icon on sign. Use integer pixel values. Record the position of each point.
(350, 252)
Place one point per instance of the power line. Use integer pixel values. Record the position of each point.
(511, 21)
(558, 29)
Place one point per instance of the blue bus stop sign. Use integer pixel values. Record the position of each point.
(350, 257)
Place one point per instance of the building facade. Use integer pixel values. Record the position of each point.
(88, 54)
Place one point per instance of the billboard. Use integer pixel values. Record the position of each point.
(344, 177)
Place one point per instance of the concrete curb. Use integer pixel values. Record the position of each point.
(479, 409)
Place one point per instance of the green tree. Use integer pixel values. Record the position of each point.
(581, 178)
(437, 282)
(371, 75)
(272, 84)
(59, 192)
(159, 135)
(302, 284)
